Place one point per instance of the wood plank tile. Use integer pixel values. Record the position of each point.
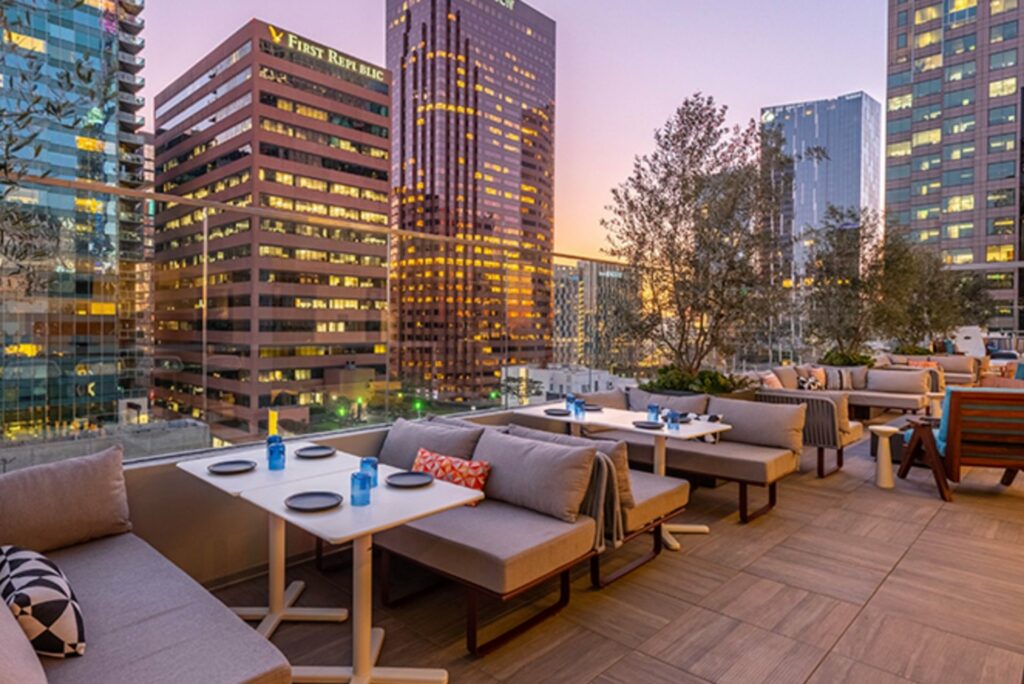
(869, 526)
(567, 663)
(737, 546)
(812, 572)
(637, 667)
(811, 618)
(684, 577)
(911, 502)
(847, 548)
(837, 669)
(721, 649)
(910, 649)
(980, 524)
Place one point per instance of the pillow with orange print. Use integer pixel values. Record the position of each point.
(914, 363)
(472, 474)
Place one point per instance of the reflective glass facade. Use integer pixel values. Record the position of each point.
(70, 320)
(472, 159)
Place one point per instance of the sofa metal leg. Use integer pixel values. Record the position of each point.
(385, 565)
(599, 582)
(821, 462)
(473, 618)
(745, 515)
(1008, 476)
(320, 554)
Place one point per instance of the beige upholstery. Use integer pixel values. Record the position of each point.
(775, 425)
(496, 545)
(909, 402)
(899, 381)
(655, 498)
(957, 364)
(147, 621)
(727, 460)
(788, 376)
(954, 378)
(614, 399)
(51, 506)
(853, 433)
(19, 664)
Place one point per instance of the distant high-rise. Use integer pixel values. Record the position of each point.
(294, 314)
(69, 353)
(588, 328)
(953, 138)
(472, 159)
(835, 148)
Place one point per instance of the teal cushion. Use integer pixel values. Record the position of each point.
(943, 435)
(1020, 372)
(939, 441)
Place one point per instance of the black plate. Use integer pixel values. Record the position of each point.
(311, 502)
(409, 480)
(557, 412)
(316, 452)
(231, 467)
(648, 424)
(593, 408)
(683, 420)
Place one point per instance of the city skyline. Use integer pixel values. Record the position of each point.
(599, 45)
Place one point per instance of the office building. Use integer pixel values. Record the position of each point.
(833, 147)
(590, 297)
(472, 161)
(953, 137)
(272, 120)
(66, 320)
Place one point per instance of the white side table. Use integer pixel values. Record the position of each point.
(883, 468)
(935, 402)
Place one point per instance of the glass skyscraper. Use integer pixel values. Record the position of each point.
(69, 354)
(473, 161)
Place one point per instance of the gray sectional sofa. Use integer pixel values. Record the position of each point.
(144, 619)
(956, 369)
(553, 502)
(875, 388)
(763, 446)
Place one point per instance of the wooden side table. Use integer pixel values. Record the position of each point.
(883, 467)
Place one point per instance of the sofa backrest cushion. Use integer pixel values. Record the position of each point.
(18, 661)
(61, 504)
(547, 478)
(899, 381)
(618, 452)
(777, 425)
(639, 400)
(613, 399)
(405, 439)
(956, 364)
(787, 376)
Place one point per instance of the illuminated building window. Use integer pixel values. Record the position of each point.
(926, 213)
(899, 149)
(958, 98)
(1000, 6)
(999, 253)
(1001, 198)
(957, 203)
(928, 63)
(900, 102)
(929, 13)
(956, 231)
(923, 40)
(1001, 226)
(1005, 86)
(1003, 32)
(929, 137)
(958, 151)
(24, 42)
(961, 72)
(1006, 142)
(958, 125)
(963, 255)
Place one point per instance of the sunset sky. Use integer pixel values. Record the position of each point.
(622, 68)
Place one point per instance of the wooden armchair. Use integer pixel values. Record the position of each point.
(980, 427)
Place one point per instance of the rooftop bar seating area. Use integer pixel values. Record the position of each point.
(551, 545)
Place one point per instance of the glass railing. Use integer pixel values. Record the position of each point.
(183, 326)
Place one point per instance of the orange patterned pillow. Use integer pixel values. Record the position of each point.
(472, 474)
(913, 363)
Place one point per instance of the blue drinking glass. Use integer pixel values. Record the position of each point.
(673, 420)
(578, 409)
(653, 413)
(275, 453)
(361, 485)
(570, 401)
(368, 465)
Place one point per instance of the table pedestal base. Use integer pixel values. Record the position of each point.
(324, 675)
(271, 620)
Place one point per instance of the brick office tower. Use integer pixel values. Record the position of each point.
(273, 120)
(953, 137)
(472, 158)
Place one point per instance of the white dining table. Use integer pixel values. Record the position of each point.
(281, 600)
(618, 419)
(389, 507)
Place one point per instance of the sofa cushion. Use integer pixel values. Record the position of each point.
(853, 433)
(639, 400)
(838, 378)
(899, 381)
(614, 399)
(150, 622)
(954, 378)
(754, 422)
(770, 380)
(656, 497)
(405, 438)
(496, 545)
(42, 601)
(459, 471)
(910, 402)
(787, 376)
(19, 664)
(727, 460)
(544, 477)
(453, 422)
(616, 451)
(50, 506)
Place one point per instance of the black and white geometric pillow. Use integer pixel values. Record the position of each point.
(808, 383)
(39, 595)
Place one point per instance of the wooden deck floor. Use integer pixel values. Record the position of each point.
(843, 582)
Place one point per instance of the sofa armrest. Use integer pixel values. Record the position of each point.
(821, 428)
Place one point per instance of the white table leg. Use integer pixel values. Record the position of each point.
(883, 467)
(282, 600)
(660, 448)
(366, 639)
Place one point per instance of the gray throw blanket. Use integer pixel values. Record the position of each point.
(602, 504)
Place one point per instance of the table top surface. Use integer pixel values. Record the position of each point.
(623, 420)
(389, 506)
(295, 468)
